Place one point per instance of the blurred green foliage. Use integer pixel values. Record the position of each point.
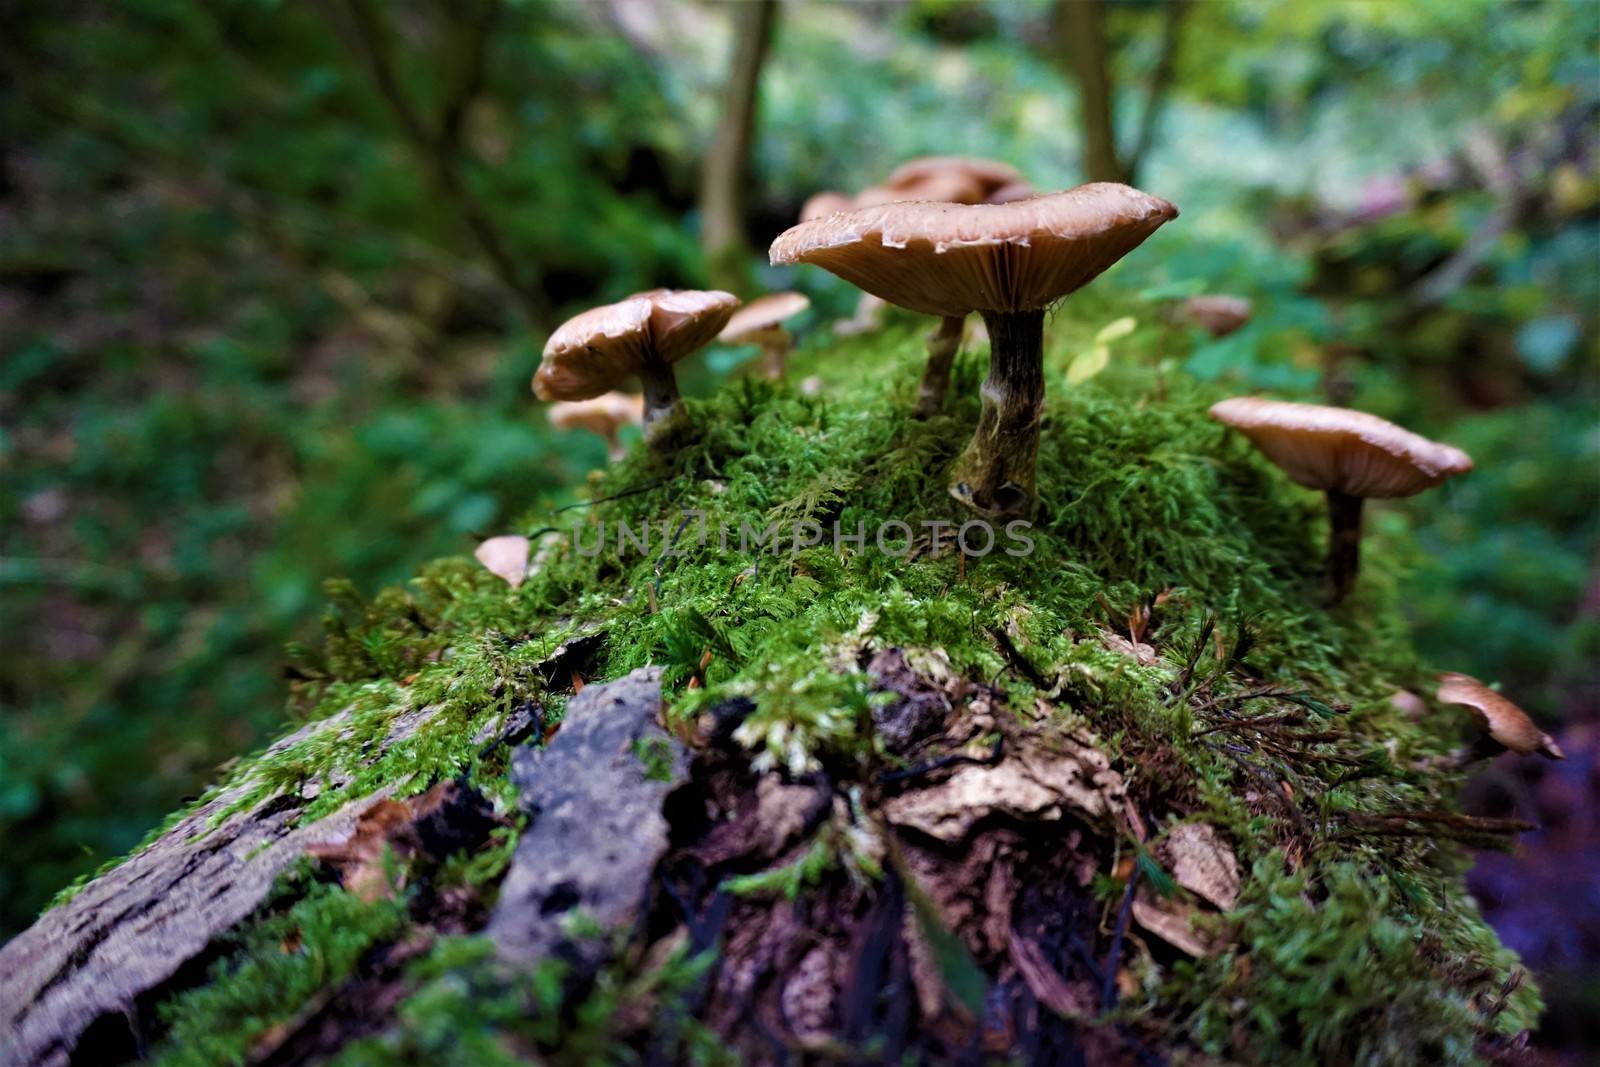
(249, 340)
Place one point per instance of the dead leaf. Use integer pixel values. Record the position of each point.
(1202, 863)
(1173, 922)
(398, 825)
(505, 557)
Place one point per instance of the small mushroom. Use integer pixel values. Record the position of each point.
(1216, 314)
(505, 558)
(760, 322)
(1505, 724)
(603, 415)
(640, 337)
(1007, 261)
(1349, 455)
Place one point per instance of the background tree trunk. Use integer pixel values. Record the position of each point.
(1080, 27)
(723, 236)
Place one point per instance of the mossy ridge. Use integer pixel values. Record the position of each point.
(1157, 499)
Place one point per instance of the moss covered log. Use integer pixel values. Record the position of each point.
(1158, 670)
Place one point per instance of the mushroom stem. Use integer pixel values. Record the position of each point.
(995, 475)
(1344, 543)
(775, 354)
(943, 344)
(614, 449)
(664, 413)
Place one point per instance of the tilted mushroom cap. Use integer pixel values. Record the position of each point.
(762, 315)
(1343, 451)
(1216, 314)
(1010, 193)
(1506, 723)
(950, 259)
(600, 349)
(822, 204)
(990, 174)
(947, 187)
(603, 414)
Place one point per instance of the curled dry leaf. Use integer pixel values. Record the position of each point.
(1031, 783)
(1202, 863)
(433, 823)
(505, 557)
(1173, 922)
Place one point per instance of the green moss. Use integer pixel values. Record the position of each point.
(1344, 968)
(465, 1011)
(1147, 506)
(277, 965)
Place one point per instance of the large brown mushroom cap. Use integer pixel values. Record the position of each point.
(1342, 451)
(761, 316)
(1505, 722)
(951, 259)
(600, 349)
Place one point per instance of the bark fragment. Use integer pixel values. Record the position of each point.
(595, 797)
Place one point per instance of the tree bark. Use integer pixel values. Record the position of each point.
(723, 236)
(1080, 25)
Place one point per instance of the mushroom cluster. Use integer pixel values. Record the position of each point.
(942, 179)
(1008, 262)
(1349, 455)
(641, 337)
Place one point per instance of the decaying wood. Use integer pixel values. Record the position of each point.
(89, 963)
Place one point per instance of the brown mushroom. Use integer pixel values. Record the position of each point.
(640, 337)
(1010, 193)
(825, 203)
(1349, 455)
(955, 180)
(1009, 262)
(952, 187)
(1216, 314)
(603, 415)
(988, 174)
(760, 323)
(1505, 724)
